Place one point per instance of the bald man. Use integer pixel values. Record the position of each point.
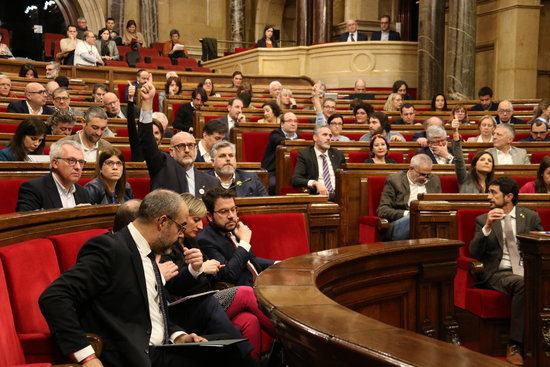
(112, 106)
(360, 91)
(352, 35)
(505, 113)
(34, 102)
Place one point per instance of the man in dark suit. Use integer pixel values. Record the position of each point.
(400, 189)
(385, 33)
(213, 131)
(115, 290)
(420, 137)
(438, 146)
(539, 131)
(495, 245)
(174, 171)
(184, 116)
(59, 188)
(289, 126)
(352, 35)
(360, 91)
(34, 103)
(234, 115)
(407, 113)
(112, 106)
(317, 165)
(486, 103)
(225, 169)
(505, 114)
(227, 240)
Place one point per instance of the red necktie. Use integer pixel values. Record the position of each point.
(249, 265)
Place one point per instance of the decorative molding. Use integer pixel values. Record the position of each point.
(93, 14)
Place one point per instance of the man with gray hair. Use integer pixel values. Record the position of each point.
(503, 152)
(400, 189)
(59, 188)
(61, 123)
(225, 169)
(52, 70)
(505, 114)
(275, 88)
(5, 87)
(93, 128)
(438, 148)
(420, 137)
(62, 102)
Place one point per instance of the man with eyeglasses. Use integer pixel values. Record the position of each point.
(420, 137)
(505, 114)
(174, 170)
(503, 152)
(5, 87)
(385, 33)
(34, 103)
(227, 240)
(62, 102)
(352, 35)
(112, 106)
(86, 52)
(323, 110)
(438, 148)
(539, 131)
(360, 91)
(400, 189)
(184, 116)
(59, 188)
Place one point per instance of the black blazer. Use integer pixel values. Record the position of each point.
(275, 138)
(184, 117)
(41, 193)
(246, 189)
(360, 37)
(261, 43)
(308, 169)
(513, 120)
(203, 182)
(479, 107)
(377, 35)
(21, 107)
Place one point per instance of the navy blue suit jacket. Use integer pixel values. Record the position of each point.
(184, 117)
(360, 37)
(377, 35)
(275, 138)
(247, 189)
(479, 107)
(21, 107)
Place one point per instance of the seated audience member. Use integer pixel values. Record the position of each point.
(62, 81)
(420, 137)
(68, 46)
(496, 246)
(335, 123)
(487, 125)
(245, 93)
(52, 70)
(542, 111)
(62, 101)
(113, 108)
(393, 103)
(267, 40)
(61, 123)
(408, 114)
(214, 131)
(275, 89)
(401, 87)
(208, 85)
(5, 87)
(539, 132)
(163, 120)
(230, 178)
(322, 111)
(503, 152)
(184, 116)
(82, 28)
(542, 184)
(379, 150)
(106, 46)
(174, 170)
(99, 90)
(234, 115)
(486, 103)
(236, 79)
(287, 131)
(439, 103)
(28, 71)
(482, 168)
(505, 114)
(93, 127)
(360, 91)
(400, 189)
(131, 37)
(50, 87)
(34, 102)
(385, 33)
(317, 164)
(174, 47)
(110, 25)
(109, 186)
(379, 124)
(227, 240)
(272, 113)
(459, 112)
(29, 138)
(437, 149)
(286, 101)
(362, 111)
(352, 35)
(5, 52)
(59, 188)
(142, 77)
(86, 53)
(171, 88)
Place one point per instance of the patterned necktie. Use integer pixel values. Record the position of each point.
(162, 300)
(249, 265)
(326, 174)
(512, 245)
(351, 36)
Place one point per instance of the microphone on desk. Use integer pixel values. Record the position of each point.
(239, 183)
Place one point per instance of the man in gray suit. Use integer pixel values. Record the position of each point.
(400, 189)
(503, 152)
(495, 245)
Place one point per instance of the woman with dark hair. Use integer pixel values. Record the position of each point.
(267, 40)
(106, 46)
(245, 93)
(172, 87)
(236, 79)
(362, 111)
(131, 36)
(208, 85)
(109, 186)
(335, 123)
(272, 113)
(542, 184)
(439, 103)
(29, 139)
(379, 150)
(459, 112)
(28, 71)
(482, 167)
(401, 87)
(379, 124)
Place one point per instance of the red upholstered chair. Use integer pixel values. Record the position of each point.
(253, 146)
(368, 224)
(51, 45)
(127, 154)
(520, 136)
(545, 218)
(354, 137)
(144, 65)
(141, 186)
(188, 62)
(146, 52)
(121, 92)
(10, 190)
(6, 36)
(68, 245)
(306, 136)
(158, 46)
(3, 108)
(358, 157)
(289, 189)
(538, 157)
(121, 64)
(449, 185)
(8, 128)
(156, 61)
(122, 132)
(122, 51)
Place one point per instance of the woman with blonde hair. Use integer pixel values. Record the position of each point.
(393, 103)
(285, 100)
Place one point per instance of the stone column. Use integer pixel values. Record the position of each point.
(322, 21)
(461, 48)
(303, 35)
(431, 32)
(237, 22)
(149, 21)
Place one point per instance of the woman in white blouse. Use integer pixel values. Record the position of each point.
(86, 53)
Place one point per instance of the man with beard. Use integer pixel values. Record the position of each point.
(495, 245)
(227, 240)
(225, 169)
(174, 171)
(539, 131)
(115, 290)
(184, 116)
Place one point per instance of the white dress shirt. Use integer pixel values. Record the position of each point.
(32, 111)
(90, 154)
(414, 190)
(354, 34)
(505, 263)
(66, 196)
(190, 173)
(504, 158)
(204, 153)
(384, 36)
(320, 173)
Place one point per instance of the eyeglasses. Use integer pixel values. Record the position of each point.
(72, 162)
(437, 142)
(182, 146)
(181, 227)
(224, 212)
(114, 163)
(425, 175)
(110, 103)
(329, 107)
(43, 91)
(539, 132)
(505, 111)
(60, 99)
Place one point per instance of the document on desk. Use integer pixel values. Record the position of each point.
(186, 298)
(211, 343)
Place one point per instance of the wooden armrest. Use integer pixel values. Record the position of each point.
(475, 267)
(223, 285)
(382, 225)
